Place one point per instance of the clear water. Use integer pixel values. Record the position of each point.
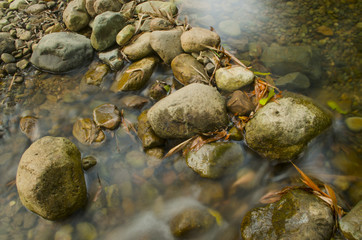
(137, 201)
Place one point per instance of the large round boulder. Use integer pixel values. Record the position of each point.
(193, 109)
(297, 215)
(281, 130)
(61, 52)
(50, 179)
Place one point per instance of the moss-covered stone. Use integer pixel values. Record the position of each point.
(297, 215)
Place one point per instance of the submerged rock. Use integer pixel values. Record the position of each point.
(50, 179)
(135, 76)
(30, 127)
(75, 15)
(61, 52)
(198, 39)
(94, 76)
(191, 222)
(107, 115)
(291, 81)
(297, 215)
(167, 44)
(112, 58)
(86, 132)
(233, 78)
(187, 69)
(350, 224)
(280, 131)
(106, 26)
(214, 159)
(284, 60)
(88, 162)
(193, 109)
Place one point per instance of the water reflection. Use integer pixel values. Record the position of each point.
(136, 200)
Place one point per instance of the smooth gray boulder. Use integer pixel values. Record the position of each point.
(198, 39)
(195, 108)
(50, 179)
(75, 15)
(291, 81)
(7, 43)
(298, 215)
(213, 160)
(61, 52)
(350, 224)
(284, 60)
(105, 29)
(140, 48)
(167, 44)
(280, 131)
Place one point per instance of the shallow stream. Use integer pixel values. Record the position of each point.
(135, 199)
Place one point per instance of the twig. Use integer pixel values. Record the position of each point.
(12, 82)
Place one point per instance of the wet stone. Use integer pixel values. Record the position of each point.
(30, 127)
(146, 134)
(134, 101)
(350, 224)
(86, 132)
(191, 222)
(354, 124)
(112, 59)
(213, 160)
(136, 159)
(88, 162)
(86, 231)
(107, 115)
(158, 90)
(95, 75)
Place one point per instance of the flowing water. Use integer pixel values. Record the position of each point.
(136, 199)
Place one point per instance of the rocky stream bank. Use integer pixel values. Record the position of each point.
(215, 107)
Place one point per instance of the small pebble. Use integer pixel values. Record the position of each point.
(7, 58)
(354, 123)
(10, 68)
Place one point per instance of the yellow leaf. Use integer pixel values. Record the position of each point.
(216, 215)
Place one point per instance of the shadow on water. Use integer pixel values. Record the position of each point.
(138, 198)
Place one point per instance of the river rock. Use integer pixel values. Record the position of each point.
(133, 101)
(354, 123)
(30, 127)
(350, 224)
(61, 52)
(18, 5)
(195, 108)
(293, 81)
(112, 58)
(191, 222)
(297, 215)
(107, 116)
(75, 15)
(233, 78)
(35, 8)
(101, 6)
(158, 24)
(281, 130)
(135, 76)
(50, 180)
(88, 162)
(284, 60)
(146, 134)
(158, 90)
(187, 69)
(197, 39)
(240, 104)
(214, 159)
(105, 29)
(95, 75)
(89, 5)
(163, 7)
(140, 48)
(125, 35)
(86, 132)
(7, 58)
(7, 43)
(167, 44)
